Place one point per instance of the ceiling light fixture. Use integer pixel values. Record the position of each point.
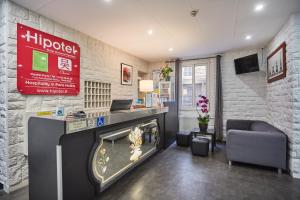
(150, 32)
(248, 37)
(194, 12)
(107, 1)
(259, 7)
(171, 49)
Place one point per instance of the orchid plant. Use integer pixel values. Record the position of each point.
(202, 109)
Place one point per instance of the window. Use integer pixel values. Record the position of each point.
(193, 84)
(187, 71)
(200, 81)
(187, 86)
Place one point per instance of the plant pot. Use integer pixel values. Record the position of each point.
(203, 127)
(167, 78)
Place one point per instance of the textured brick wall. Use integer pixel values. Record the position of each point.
(99, 61)
(156, 65)
(244, 95)
(296, 97)
(283, 96)
(3, 103)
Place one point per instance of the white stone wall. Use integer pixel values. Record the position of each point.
(156, 65)
(283, 96)
(99, 61)
(3, 102)
(295, 155)
(244, 96)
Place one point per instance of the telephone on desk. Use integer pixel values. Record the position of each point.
(80, 114)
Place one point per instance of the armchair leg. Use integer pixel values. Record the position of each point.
(229, 163)
(279, 171)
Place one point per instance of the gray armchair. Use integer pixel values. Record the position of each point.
(256, 142)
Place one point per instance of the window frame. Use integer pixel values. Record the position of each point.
(193, 65)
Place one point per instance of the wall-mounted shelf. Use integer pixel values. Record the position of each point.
(97, 94)
(165, 90)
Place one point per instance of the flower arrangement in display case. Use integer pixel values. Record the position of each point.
(135, 138)
(103, 160)
(203, 115)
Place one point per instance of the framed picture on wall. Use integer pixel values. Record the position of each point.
(126, 74)
(276, 64)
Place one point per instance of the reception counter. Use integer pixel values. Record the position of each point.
(79, 158)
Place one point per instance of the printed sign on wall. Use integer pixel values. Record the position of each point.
(46, 64)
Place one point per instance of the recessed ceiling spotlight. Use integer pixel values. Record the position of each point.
(248, 37)
(171, 49)
(259, 7)
(107, 1)
(150, 32)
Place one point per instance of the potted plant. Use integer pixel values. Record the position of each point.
(165, 72)
(202, 109)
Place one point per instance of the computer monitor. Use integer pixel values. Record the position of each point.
(121, 104)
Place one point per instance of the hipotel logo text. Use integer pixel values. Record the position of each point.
(47, 43)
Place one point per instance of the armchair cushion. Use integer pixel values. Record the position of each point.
(262, 126)
(238, 124)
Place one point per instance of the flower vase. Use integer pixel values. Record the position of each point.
(203, 127)
(167, 78)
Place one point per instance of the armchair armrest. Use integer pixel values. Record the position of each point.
(238, 124)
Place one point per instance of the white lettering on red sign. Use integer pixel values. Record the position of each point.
(47, 43)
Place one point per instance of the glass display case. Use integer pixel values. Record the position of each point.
(120, 150)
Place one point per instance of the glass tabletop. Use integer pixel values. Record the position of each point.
(208, 132)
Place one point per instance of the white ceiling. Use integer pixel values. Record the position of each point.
(221, 25)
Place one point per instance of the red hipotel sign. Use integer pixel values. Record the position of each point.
(46, 64)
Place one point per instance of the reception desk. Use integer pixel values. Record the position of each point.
(79, 158)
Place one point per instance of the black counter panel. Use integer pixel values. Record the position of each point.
(61, 162)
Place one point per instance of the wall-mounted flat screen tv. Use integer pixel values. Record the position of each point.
(246, 64)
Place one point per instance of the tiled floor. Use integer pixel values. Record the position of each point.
(176, 174)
